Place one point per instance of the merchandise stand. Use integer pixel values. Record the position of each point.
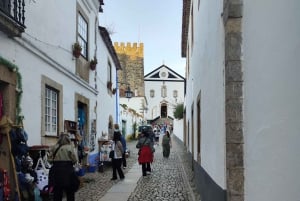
(6, 157)
(104, 149)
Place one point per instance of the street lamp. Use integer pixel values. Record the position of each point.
(128, 93)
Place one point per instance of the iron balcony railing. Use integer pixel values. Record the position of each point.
(14, 12)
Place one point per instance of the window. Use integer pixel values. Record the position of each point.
(109, 73)
(82, 37)
(164, 91)
(199, 128)
(51, 107)
(51, 111)
(175, 93)
(152, 94)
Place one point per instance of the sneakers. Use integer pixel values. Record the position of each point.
(148, 172)
(124, 167)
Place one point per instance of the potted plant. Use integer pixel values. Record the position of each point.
(114, 90)
(93, 63)
(109, 85)
(77, 49)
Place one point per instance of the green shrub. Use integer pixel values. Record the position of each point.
(178, 112)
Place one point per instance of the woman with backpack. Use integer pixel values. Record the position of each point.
(146, 150)
(166, 144)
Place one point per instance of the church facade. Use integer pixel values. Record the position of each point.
(164, 90)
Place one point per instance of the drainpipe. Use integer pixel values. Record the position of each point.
(117, 100)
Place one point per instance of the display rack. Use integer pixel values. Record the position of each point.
(7, 159)
(104, 149)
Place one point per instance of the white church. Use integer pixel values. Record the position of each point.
(164, 89)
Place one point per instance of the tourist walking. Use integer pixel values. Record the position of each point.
(63, 156)
(146, 150)
(166, 144)
(118, 152)
(123, 141)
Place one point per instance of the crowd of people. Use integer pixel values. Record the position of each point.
(63, 156)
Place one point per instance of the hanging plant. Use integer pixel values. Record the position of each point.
(109, 85)
(93, 63)
(114, 90)
(13, 68)
(77, 49)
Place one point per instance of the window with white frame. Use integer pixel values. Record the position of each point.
(152, 93)
(82, 36)
(51, 111)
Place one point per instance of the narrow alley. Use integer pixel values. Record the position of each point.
(171, 179)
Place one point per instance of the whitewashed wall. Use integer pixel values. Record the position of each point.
(178, 128)
(271, 49)
(46, 49)
(207, 75)
(134, 103)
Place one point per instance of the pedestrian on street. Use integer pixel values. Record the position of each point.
(166, 144)
(146, 150)
(123, 141)
(118, 151)
(64, 157)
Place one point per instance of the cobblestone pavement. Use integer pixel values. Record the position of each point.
(171, 179)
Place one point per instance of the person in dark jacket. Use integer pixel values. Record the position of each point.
(64, 157)
(123, 141)
(118, 151)
(146, 150)
(166, 144)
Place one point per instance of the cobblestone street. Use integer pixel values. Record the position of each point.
(171, 178)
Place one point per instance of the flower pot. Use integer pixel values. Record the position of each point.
(109, 84)
(76, 53)
(93, 66)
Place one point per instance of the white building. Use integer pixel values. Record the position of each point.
(242, 99)
(131, 112)
(56, 87)
(164, 89)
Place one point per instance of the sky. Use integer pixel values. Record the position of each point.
(156, 23)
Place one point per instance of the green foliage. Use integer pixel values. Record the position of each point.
(178, 112)
(130, 137)
(19, 90)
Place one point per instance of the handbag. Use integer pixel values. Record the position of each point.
(52, 171)
(111, 154)
(42, 174)
(75, 182)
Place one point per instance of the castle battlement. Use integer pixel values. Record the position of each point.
(130, 49)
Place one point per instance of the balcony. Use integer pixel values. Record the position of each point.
(12, 17)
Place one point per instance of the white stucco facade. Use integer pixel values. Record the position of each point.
(132, 113)
(271, 60)
(205, 83)
(43, 54)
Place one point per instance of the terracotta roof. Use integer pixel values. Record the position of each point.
(185, 25)
(110, 47)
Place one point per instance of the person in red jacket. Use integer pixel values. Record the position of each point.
(146, 150)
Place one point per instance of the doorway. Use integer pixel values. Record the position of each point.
(163, 110)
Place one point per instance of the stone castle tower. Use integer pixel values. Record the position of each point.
(131, 57)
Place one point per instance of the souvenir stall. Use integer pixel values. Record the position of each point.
(18, 179)
(9, 187)
(104, 149)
